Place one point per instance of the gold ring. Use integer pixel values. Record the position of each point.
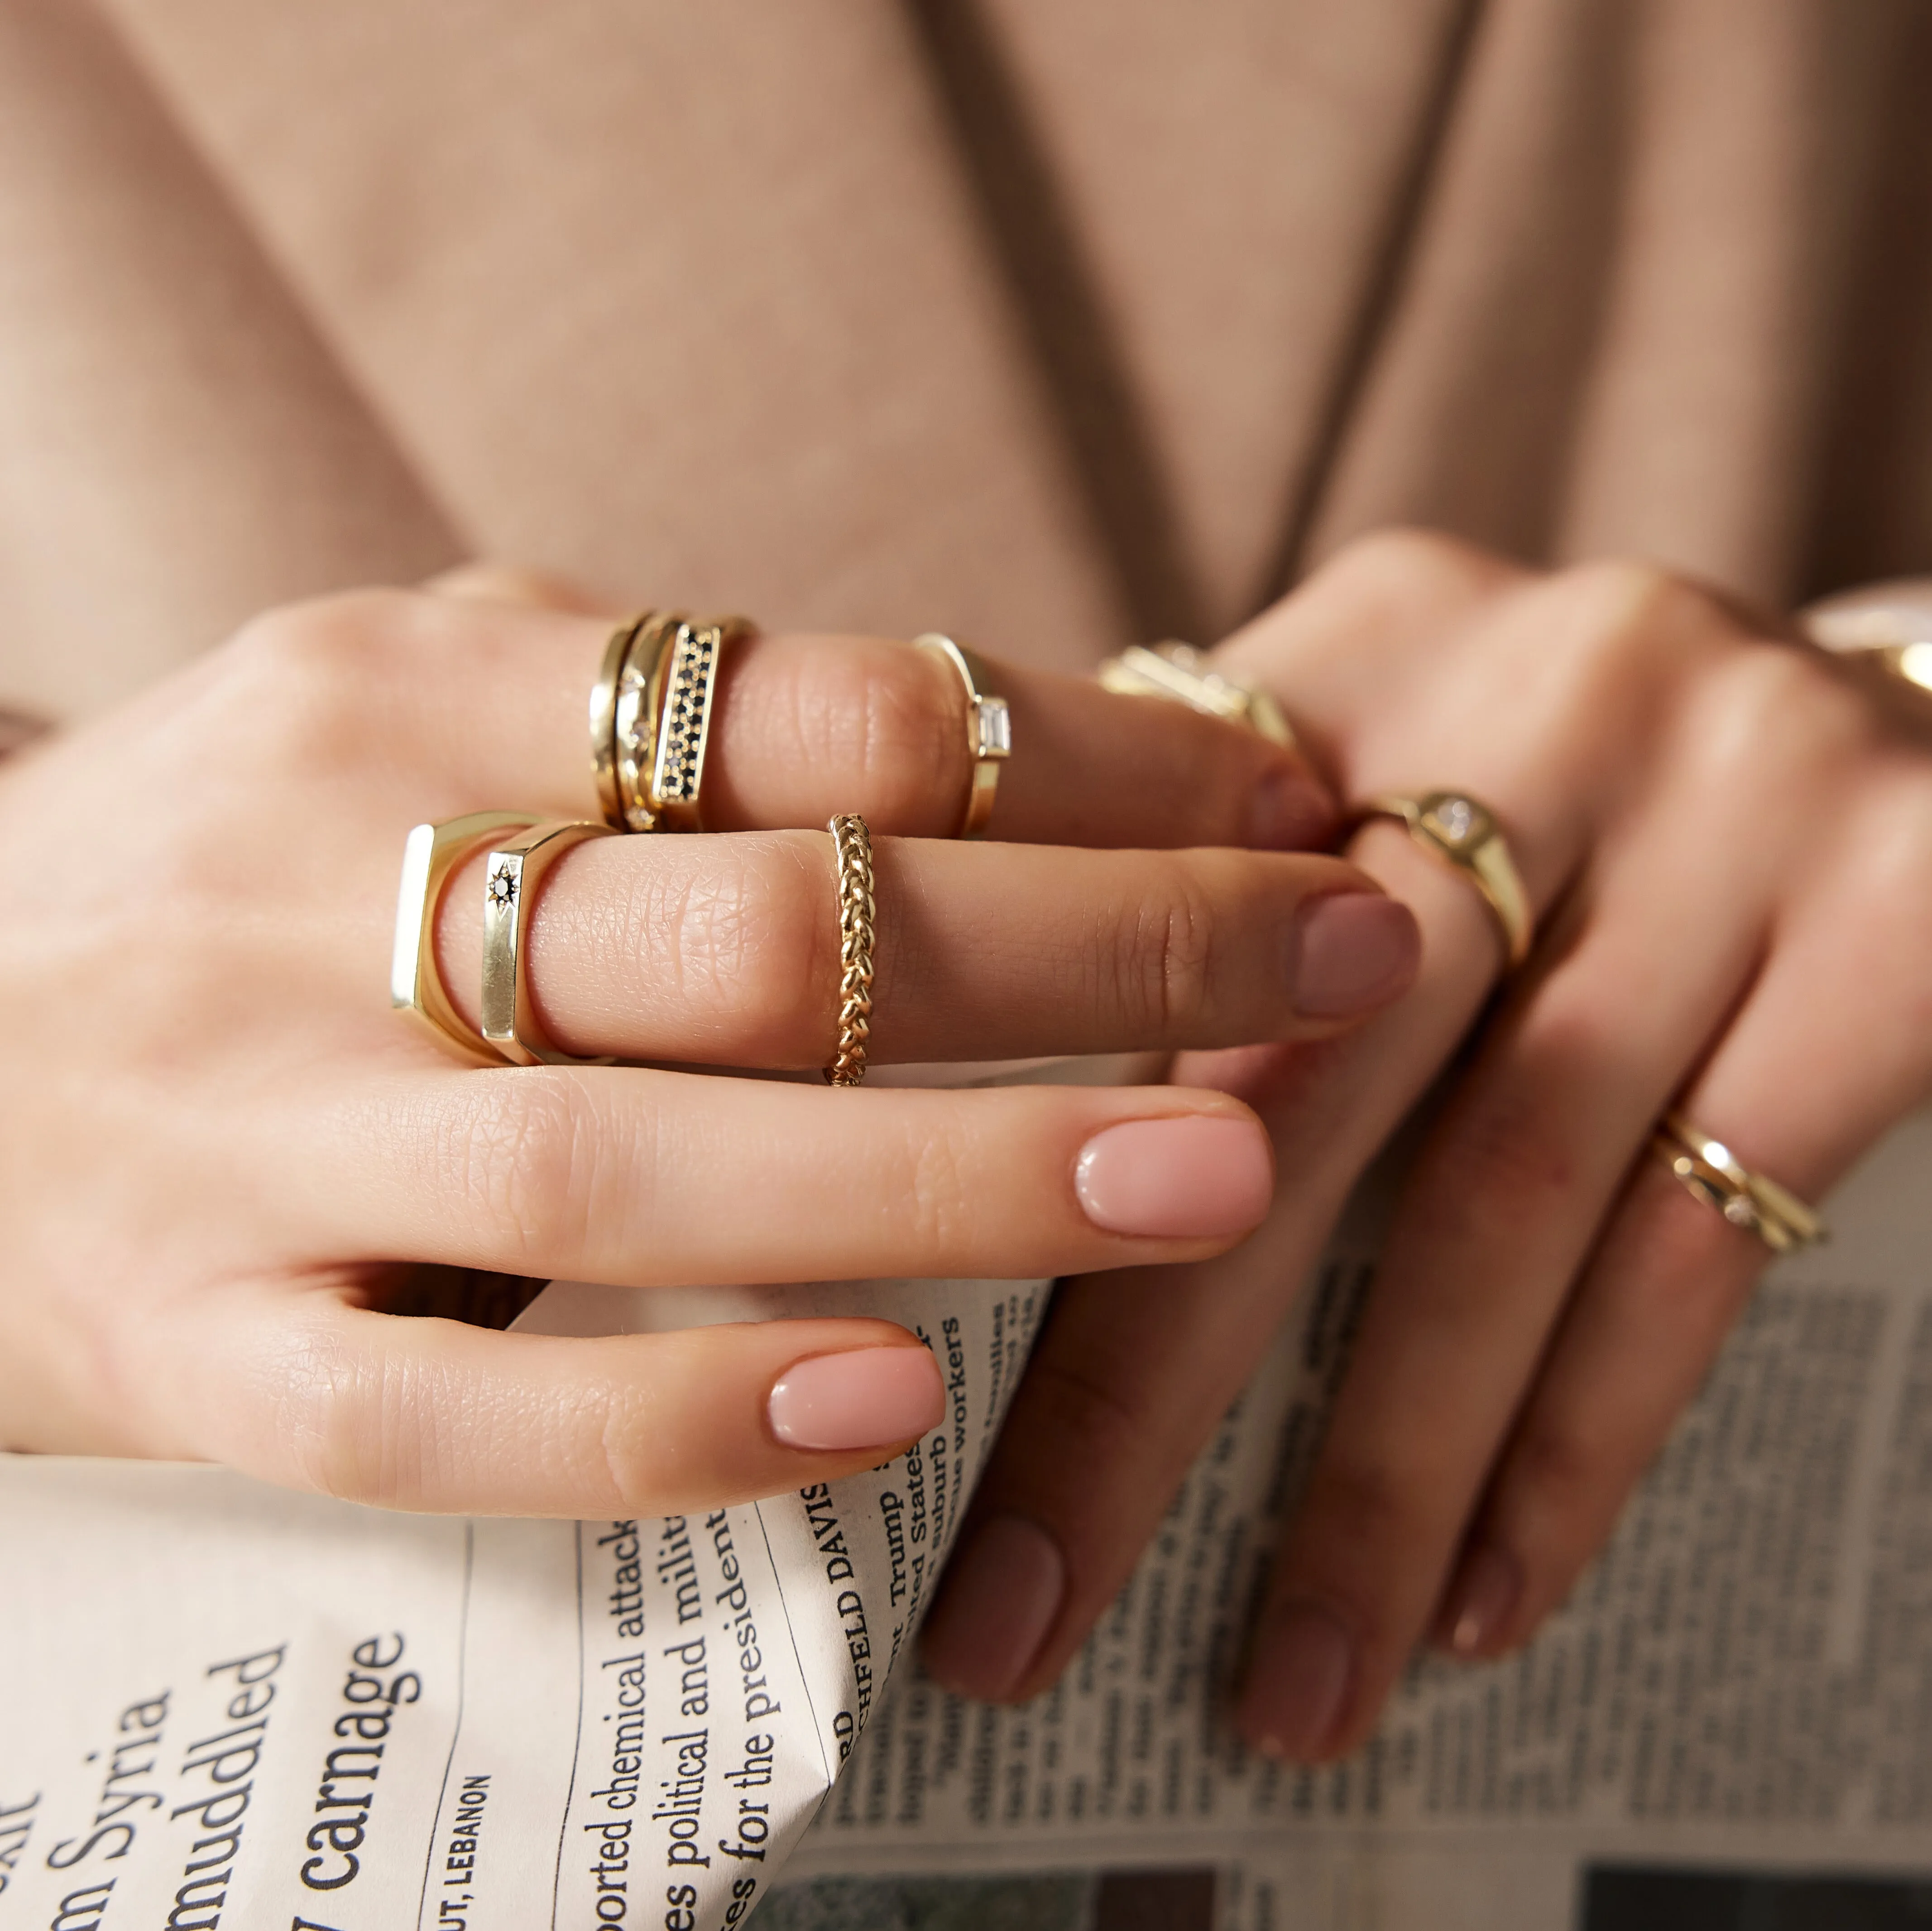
(989, 729)
(431, 853)
(1180, 674)
(510, 888)
(1710, 1169)
(637, 721)
(604, 717)
(1457, 828)
(852, 846)
(689, 678)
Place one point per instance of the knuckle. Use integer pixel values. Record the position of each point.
(1415, 563)
(525, 1164)
(1504, 1154)
(344, 1420)
(1093, 1422)
(887, 715)
(1156, 960)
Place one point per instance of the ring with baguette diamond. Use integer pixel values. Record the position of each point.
(989, 729)
(852, 846)
(1710, 1169)
(1454, 827)
(431, 854)
(1180, 674)
(511, 882)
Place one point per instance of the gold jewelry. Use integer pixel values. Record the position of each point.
(1455, 827)
(1711, 1171)
(1180, 674)
(691, 679)
(604, 719)
(510, 887)
(637, 721)
(852, 845)
(431, 853)
(989, 729)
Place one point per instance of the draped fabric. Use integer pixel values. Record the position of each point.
(1056, 324)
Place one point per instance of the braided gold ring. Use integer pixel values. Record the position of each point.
(852, 844)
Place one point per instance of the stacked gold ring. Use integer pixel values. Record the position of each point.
(1180, 674)
(650, 718)
(989, 728)
(1713, 1173)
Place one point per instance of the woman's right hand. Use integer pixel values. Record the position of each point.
(219, 1148)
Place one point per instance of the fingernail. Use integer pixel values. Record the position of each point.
(1297, 1683)
(1354, 951)
(1002, 1591)
(1480, 1600)
(1187, 1179)
(1289, 812)
(868, 1399)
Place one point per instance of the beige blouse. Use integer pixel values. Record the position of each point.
(1052, 322)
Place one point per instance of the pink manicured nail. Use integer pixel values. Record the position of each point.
(1002, 1590)
(1479, 1602)
(1354, 951)
(1189, 1179)
(868, 1398)
(1297, 1683)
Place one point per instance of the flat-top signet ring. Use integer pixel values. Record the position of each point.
(1456, 828)
(511, 883)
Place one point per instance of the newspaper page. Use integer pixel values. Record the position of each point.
(221, 1703)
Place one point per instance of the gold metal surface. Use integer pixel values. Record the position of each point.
(1180, 674)
(852, 845)
(689, 685)
(604, 719)
(1710, 1169)
(636, 719)
(511, 885)
(989, 730)
(431, 853)
(1462, 832)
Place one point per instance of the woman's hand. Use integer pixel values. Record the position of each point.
(219, 1147)
(1730, 852)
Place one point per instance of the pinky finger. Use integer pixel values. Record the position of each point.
(1669, 1277)
(305, 1388)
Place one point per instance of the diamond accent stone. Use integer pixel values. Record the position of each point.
(502, 886)
(992, 728)
(1457, 817)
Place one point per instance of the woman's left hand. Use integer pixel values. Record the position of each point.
(1728, 849)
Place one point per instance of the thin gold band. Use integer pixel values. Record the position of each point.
(1710, 1169)
(431, 854)
(989, 729)
(1462, 832)
(511, 885)
(604, 719)
(852, 846)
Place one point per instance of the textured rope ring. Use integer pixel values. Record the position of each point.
(853, 844)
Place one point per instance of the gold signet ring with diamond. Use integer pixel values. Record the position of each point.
(511, 882)
(431, 855)
(989, 729)
(1456, 828)
(1182, 675)
(1710, 1169)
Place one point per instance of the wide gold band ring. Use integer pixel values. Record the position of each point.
(989, 729)
(431, 854)
(1710, 1169)
(1456, 828)
(511, 883)
(852, 847)
(1180, 674)
(651, 708)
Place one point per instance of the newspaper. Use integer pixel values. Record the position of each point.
(223, 1704)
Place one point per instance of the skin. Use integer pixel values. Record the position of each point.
(221, 1154)
(1729, 846)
